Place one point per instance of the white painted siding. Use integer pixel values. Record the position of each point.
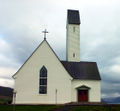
(94, 94)
(27, 79)
(73, 43)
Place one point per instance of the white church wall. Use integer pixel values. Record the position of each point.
(94, 93)
(73, 43)
(27, 79)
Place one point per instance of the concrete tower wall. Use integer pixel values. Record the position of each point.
(73, 36)
(73, 43)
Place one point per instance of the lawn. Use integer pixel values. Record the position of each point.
(52, 107)
(97, 108)
(27, 108)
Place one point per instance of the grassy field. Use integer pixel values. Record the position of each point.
(27, 108)
(50, 108)
(97, 108)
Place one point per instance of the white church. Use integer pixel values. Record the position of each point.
(45, 79)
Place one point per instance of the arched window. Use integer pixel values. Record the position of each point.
(43, 81)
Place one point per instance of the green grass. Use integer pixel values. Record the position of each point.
(97, 108)
(27, 108)
(51, 107)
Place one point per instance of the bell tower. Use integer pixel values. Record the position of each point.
(73, 36)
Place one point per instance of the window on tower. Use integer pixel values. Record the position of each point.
(43, 81)
(73, 54)
(73, 29)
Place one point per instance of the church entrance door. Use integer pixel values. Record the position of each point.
(82, 95)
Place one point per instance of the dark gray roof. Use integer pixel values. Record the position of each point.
(73, 17)
(82, 70)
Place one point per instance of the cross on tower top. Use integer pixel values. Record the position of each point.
(45, 31)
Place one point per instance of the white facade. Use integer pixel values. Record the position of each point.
(94, 93)
(27, 79)
(73, 42)
(61, 87)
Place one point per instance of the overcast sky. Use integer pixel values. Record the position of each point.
(22, 21)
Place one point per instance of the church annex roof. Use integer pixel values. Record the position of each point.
(82, 70)
(73, 17)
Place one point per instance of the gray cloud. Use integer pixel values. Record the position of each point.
(110, 89)
(21, 24)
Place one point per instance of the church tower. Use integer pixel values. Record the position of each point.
(73, 36)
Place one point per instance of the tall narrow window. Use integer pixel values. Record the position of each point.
(73, 29)
(73, 54)
(43, 81)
